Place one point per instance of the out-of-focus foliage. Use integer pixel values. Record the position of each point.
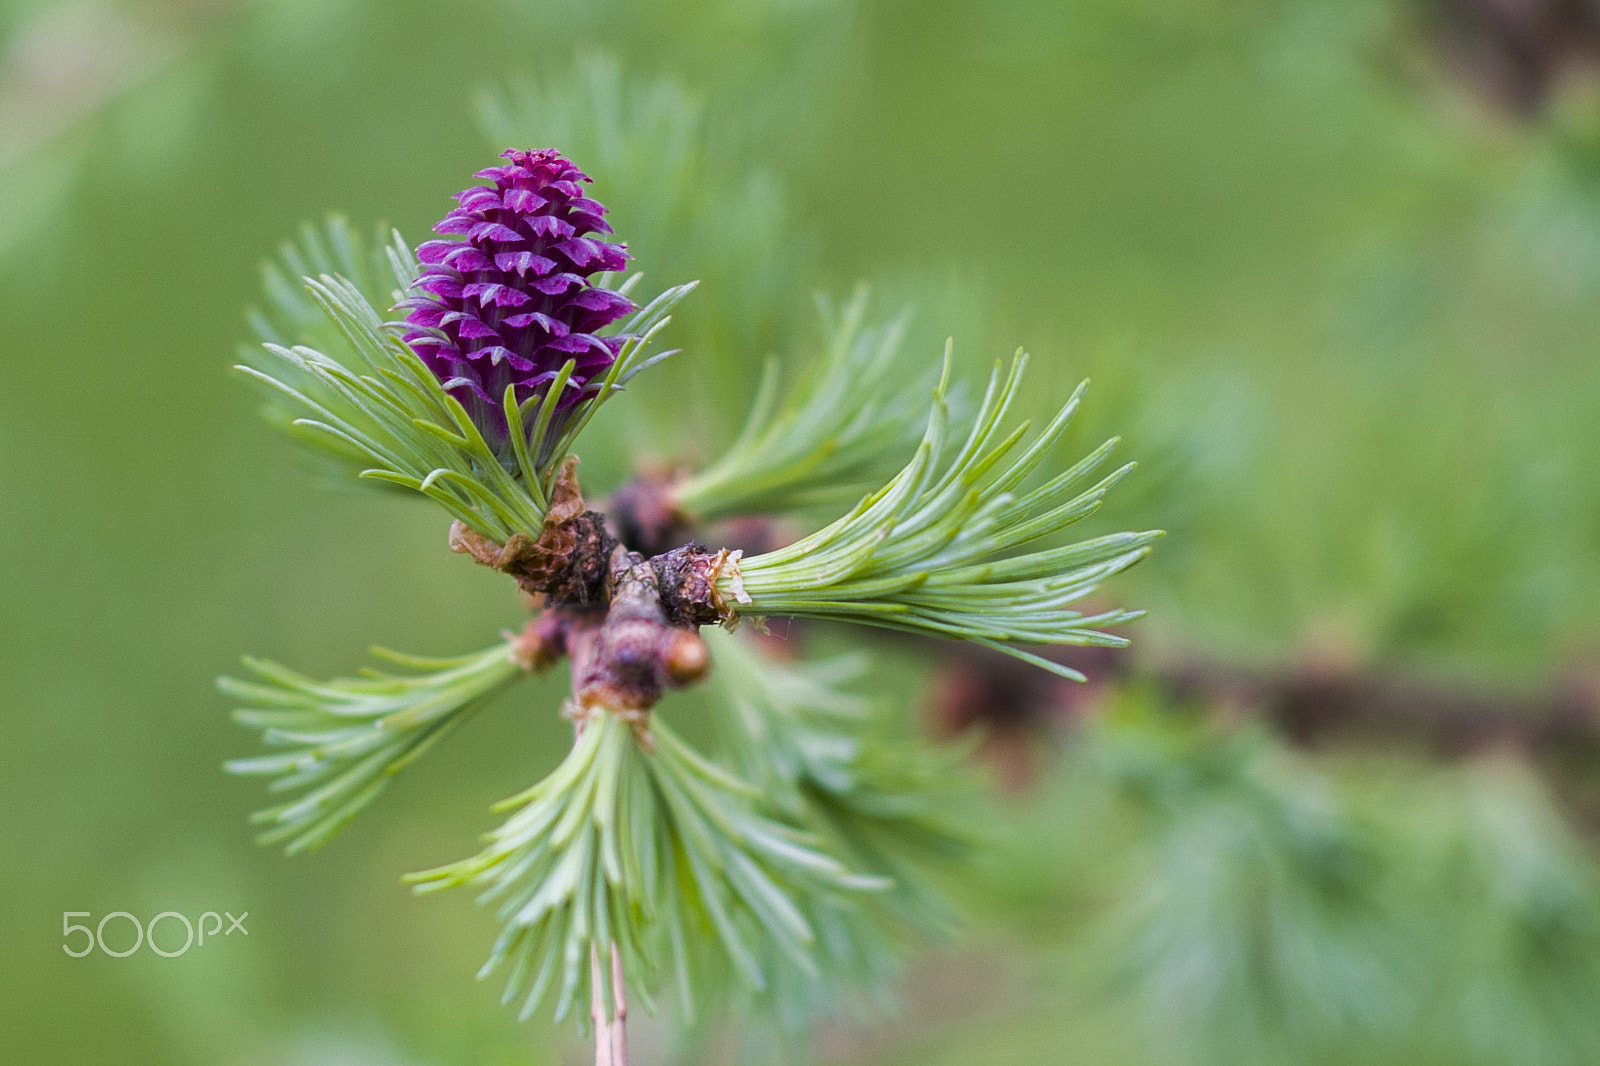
(1232, 902)
(1343, 312)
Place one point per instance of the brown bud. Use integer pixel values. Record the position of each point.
(687, 658)
(544, 639)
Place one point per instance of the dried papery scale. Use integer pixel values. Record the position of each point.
(783, 873)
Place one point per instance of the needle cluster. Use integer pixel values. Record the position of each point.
(788, 870)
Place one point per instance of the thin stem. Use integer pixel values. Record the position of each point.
(619, 1021)
(610, 1035)
(597, 1012)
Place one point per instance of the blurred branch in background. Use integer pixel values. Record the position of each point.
(1518, 52)
(1313, 704)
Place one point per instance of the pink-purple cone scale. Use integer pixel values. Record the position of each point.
(509, 303)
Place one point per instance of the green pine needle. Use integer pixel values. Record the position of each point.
(391, 412)
(658, 852)
(840, 766)
(381, 269)
(349, 737)
(932, 551)
(837, 763)
(830, 439)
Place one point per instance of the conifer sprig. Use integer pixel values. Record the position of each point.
(654, 849)
(933, 551)
(827, 442)
(789, 877)
(348, 737)
(394, 415)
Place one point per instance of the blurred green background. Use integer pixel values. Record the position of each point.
(1333, 265)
